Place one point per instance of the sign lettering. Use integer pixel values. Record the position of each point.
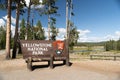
(37, 48)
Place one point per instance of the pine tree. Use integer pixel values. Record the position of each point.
(73, 35)
(39, 33)
(22, 30)
(2, 37)
(110, 45)
(50, 8)
(19, 6)
(54, 30)
(28, 30)
(118, 44)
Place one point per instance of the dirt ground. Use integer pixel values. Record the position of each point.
(79, 70)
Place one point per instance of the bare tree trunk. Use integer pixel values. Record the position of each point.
(49, 7)
(16, 30)
(48, 26)
(69, 22)
(67, 33)
(8, 32)
(28, 22)
(67, 19)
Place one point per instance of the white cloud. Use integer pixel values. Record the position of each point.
(89, 39)
(37, 6)
(61, 34)
(108, 37)
(117, 33)
(40, 1)
(83, 32)
(86, 38)
(83, 37)
(2, 22)
(13, 30)
(27, 2)
(13, 20)
(46, 32)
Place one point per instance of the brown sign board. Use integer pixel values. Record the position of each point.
(42, 48)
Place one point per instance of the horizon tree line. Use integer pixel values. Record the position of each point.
(112, 45)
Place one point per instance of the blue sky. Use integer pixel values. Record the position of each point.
(97, 20)
(100, 16)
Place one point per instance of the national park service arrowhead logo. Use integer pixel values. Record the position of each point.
(58, 46)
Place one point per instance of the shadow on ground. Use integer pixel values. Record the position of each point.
(46, 65)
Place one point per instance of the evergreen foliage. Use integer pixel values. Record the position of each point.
(2, 37)
(38, 32)
(22, 30)
(112, 45)
(54, 30)
(73, 35)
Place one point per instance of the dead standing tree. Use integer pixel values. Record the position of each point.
(67, 28)
(68, 18)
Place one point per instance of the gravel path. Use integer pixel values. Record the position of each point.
(2, 52)
(79, 70)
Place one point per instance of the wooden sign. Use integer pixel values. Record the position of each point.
(44, 50)
(35, 48)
